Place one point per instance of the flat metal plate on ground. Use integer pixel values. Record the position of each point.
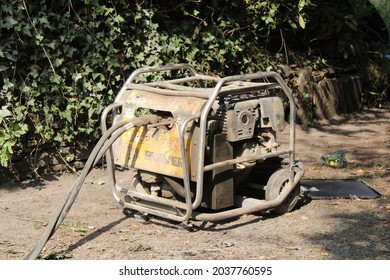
(333, 189)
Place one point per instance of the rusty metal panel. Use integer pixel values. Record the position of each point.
(272, 113)
(156, 149)
(180, 107)
(218, 183)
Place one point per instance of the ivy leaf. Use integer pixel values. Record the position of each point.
(18, 129)
(77, 76)
(67, 114)
(52, 45)
(10, 57)
(10, 22)
(8, 146)
(302, 22)
(7, 84)
(100, 86)
(293, 24)
(119, 19)
(4, 112)
(44, 21)
(58, 61)
(55, 79)
(39, 38)
(34, 72)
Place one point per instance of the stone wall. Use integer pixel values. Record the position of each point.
(322, 94)
(45, 160)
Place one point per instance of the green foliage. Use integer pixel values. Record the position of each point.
(338, 28)
(62, 62)
(226, 37)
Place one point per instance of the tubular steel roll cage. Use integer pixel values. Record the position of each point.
(205, 93)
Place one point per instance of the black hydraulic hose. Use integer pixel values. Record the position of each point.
(62, 211)
(101, 147)
(177, 187)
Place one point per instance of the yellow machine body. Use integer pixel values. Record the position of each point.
(154, 149)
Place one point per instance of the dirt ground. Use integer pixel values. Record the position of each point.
(96, 228)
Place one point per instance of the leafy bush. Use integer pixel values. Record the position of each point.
(63, 61)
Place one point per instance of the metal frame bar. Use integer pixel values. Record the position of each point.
(144, 70)
(115, 190)
(206, 111)
(211, 94)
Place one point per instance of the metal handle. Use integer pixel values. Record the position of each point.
(144, 70)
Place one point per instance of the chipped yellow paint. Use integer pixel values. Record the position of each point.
(156, 149)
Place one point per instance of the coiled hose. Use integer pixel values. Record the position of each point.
(105, 142)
